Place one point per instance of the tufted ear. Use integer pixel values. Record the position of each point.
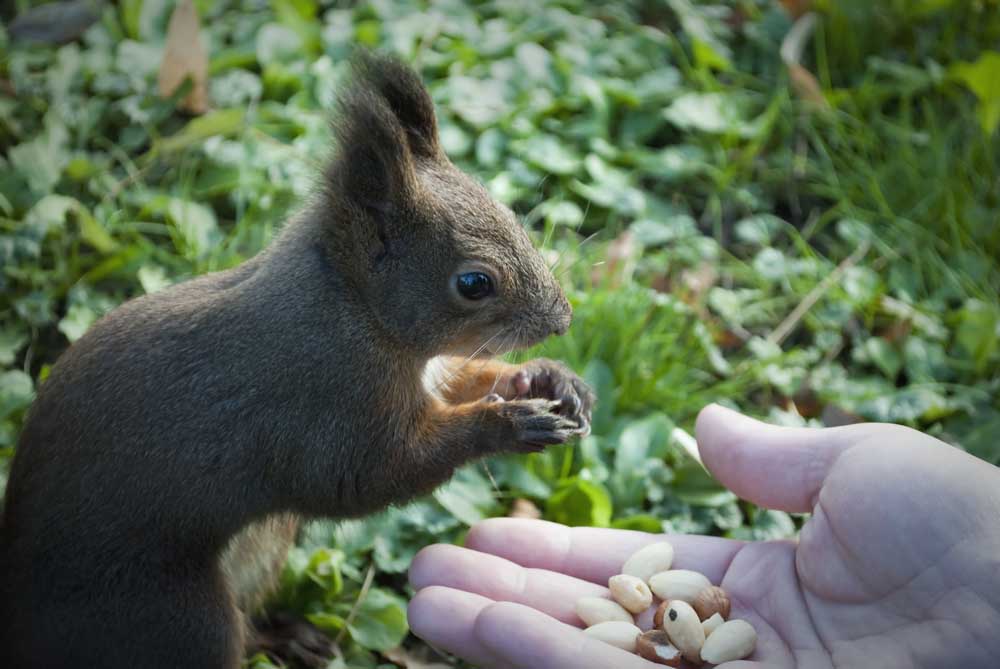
(373, 165)
(406, 96)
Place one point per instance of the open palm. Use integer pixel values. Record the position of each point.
(899, 565)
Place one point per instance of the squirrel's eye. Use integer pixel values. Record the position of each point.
(474, 285)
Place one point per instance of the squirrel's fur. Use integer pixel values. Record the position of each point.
(165, 462)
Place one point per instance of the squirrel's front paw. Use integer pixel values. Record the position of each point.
(551, 380)
(535, 423)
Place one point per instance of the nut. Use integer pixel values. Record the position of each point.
(732, 640)
(594, 610)
(684, 629)
(650, 560)
(712, 623)
(655, 646)
(680, 584)
(661, 611)
(710, 601)
(630, 592)
(616, 633)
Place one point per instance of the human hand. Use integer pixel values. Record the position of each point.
(898, 567)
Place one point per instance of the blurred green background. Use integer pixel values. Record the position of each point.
(813, 240)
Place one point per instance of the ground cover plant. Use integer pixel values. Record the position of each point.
(812, 239)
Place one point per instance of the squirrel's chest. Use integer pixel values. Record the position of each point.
(434, 377)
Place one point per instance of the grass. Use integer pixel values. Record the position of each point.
(696, 204)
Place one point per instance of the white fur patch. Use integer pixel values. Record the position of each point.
(436, 375)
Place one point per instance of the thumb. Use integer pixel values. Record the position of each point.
(780, 468)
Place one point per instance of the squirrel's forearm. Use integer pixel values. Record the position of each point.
(443, 438)
(468, 380)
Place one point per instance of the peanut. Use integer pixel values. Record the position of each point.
(616, 633)
(594, 610)
(680, 584)
(649, 560)
(631, 592)
(684, 629)
(732, 640)
(712, 623)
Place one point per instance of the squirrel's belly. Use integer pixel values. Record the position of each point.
(255, 557)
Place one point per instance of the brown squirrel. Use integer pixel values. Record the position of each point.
(166, 462)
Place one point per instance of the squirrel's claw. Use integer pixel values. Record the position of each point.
(536, 423)
(552, 380)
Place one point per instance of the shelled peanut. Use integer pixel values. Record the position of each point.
(690, 623)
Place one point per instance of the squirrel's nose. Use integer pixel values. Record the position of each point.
(564, 319)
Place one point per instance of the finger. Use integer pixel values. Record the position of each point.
(501, 580)
(525, 638)
(774, 467)
(592, 554)
(446, 619)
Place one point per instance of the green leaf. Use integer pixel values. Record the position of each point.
(12, 340)
(709, 49)
(650, 232)
(153, 278)
(714, 113)
(196, 224)
(767, 525)
(982, 77)
(600, 377)
(381, 621)
(978, 333)
(759, 230)
(641, 440)
(42, 159)
(220, 122)
(695, 486)
(466, 496)
(639, 523)
(549, 153)
(324, 570)
(884, 356)
(580, 502)
(563, 213)
(16, 392)
(277, 43)
(78, 318)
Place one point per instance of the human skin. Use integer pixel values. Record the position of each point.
(898, 566)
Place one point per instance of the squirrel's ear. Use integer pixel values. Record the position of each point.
(373, 167)
(406, 96)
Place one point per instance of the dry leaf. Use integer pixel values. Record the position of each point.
(524, 508)
(796, 8)
(184, 57)
(698, 281)
(803, 82)
(805, 85)
(620, 261)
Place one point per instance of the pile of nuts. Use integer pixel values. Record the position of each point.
(692, 621)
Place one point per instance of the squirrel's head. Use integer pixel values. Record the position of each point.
(442, 265)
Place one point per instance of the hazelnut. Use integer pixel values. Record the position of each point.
(655, 646)
(710, 601)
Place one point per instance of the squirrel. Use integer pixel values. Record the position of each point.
(170, 455)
